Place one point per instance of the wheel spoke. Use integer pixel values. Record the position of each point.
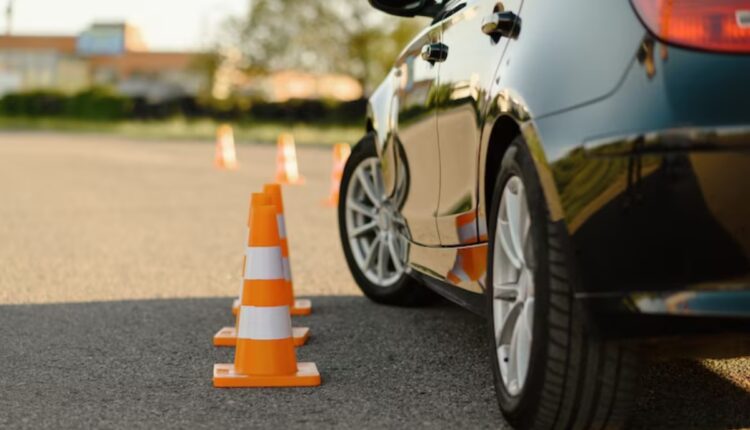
(382, 259)
(504, 234)
(377, 179)
(522, 344)
(509, 321)
(529, 317)
(506, 292)
(395, 257)
(366, 182)
(362, 229)
(528, 279)
(516, 219)
(512, 375)
(369, 251)
(361, 208)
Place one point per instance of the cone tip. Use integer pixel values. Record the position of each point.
(263, 228)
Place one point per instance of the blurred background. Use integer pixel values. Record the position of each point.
(173, 68)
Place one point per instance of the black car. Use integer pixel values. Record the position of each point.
(593, 155)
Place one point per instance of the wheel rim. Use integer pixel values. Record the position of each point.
(513, 287)
(374, 227)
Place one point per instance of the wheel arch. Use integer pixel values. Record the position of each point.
(503, 131)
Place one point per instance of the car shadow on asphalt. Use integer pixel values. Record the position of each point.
(685, 394)
(148, 363)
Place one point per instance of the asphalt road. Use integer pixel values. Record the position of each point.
(118, 262)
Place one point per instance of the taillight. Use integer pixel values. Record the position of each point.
(715, 25)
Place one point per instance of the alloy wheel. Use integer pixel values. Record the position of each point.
(375, 229)
(513, 287)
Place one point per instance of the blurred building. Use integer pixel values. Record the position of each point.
(280, 86)
(115, 55)
(111, 54)
(295, 84)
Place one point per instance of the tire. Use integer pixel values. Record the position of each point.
(400, 290)
(574, 380)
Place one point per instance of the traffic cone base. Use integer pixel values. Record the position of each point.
(225, 377)
(227, 336)
(302, 307)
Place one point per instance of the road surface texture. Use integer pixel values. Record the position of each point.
(119, 260)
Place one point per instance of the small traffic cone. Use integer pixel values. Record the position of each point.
(265, 355)
(227, 336)
(297, 307)
(286, 161)
(341, 153)
(225, 158)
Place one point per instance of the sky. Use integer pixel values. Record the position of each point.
(164, 24)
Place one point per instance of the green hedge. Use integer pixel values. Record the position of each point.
(94, 103)
(101, 104)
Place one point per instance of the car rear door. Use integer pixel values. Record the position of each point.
(465, 78)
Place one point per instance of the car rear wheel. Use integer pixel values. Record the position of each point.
(373, 233)
(550, 370)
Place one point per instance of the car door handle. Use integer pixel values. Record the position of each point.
(506, 24)
(434, 52)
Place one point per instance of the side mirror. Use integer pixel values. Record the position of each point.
(408, 7)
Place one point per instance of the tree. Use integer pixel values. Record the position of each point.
(340, 36)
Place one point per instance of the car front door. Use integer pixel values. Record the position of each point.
(465, 78)
(412, 169)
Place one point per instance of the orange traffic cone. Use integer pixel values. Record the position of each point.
(225, 156)
(341, 152)
(286, 161)
(227, 336)
(296, 306)
(265, 355)
(470, 263)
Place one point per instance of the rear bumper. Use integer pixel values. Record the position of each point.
(700, 324)
(653, 181)
(724, 301)
(665, 252)
(670, 212)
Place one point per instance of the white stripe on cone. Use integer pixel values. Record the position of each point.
(265, 323)
(468, 232)
(458, 269)
(282, 226)
(263, 262)
(482, 228)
